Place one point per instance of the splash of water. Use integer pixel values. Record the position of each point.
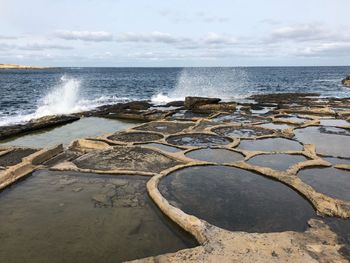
(62, 99)
(225, 83)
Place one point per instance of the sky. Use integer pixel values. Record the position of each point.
(172, 33)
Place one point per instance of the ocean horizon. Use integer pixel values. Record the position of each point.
(28, 94)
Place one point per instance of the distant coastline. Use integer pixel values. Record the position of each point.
(15, 66)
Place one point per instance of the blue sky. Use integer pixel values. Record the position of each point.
(175, 32)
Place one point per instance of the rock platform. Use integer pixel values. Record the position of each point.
(209, 123)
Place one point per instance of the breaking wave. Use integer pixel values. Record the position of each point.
(64, 98)
(225, 83)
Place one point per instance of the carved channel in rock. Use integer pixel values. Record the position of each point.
(15, 156)
(236, 199)
(60, 217)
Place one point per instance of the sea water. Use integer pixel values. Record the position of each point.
(28, 94)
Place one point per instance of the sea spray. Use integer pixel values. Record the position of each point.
(225, 83)
(62, 99)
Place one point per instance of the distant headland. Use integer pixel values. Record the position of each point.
(15, 66)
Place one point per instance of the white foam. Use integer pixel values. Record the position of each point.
(226, 84)
(64, 98)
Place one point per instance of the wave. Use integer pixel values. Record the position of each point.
(64, 98)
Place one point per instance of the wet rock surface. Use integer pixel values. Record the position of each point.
(243, 131)
(126, 158)
(38, 124)
(236, 199)
(135, 137)
(165, 127)
(15, 156)
(346, 81)
(256, 190)
(197, 139)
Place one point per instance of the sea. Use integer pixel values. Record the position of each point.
(28, 94)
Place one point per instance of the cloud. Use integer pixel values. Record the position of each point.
(151, 37)
(211, 40)
(41, 46)
(217, 39)
(3, 37)
(33, 46)
(300, 33)
(93, 36)
(332, 49)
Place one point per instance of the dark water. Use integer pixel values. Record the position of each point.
(236, 199)
(71, 217)
(25, 94)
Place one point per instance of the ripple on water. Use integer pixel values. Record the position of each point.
(237, 199)
(60, 217)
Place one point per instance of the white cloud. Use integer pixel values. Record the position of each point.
(94, 36)
(155, 36)
(217, 39)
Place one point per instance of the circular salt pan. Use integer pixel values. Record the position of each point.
(215, 155)
(135, 137)
(328, 140)
(198, 139)
(126, 158)
(329, 181)
(236, 199)
(271, 145)
(243, 131)
(279, 162)
(164, 127)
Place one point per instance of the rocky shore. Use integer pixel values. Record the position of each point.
(15, 66)
(346, 81)
(272, 138)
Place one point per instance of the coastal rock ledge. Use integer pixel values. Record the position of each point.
(346, 81)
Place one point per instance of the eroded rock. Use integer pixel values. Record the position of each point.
(346, 81)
